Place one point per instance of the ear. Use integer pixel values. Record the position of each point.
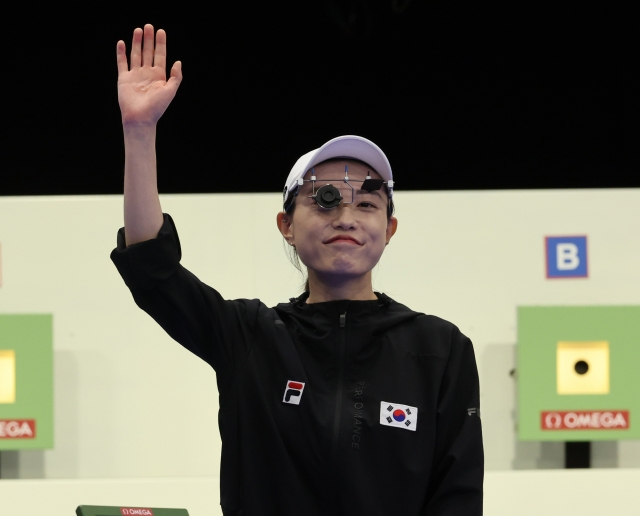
(284, 226)
(392, 226)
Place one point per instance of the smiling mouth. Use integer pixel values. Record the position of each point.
(341, 239)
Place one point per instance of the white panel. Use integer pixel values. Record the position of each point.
(132, 403)
(562, 492)
(200, 496)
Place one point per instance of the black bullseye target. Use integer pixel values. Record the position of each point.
(581, 367)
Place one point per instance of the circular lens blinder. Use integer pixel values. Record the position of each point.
(328, 196)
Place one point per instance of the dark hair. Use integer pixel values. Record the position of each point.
(292, 252)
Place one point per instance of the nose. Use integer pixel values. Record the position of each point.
(345, 218)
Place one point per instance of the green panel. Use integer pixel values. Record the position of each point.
(30, 336)
(539, 331)
(97, 510)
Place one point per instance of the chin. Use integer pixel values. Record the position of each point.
(340, 265)
(346, 268)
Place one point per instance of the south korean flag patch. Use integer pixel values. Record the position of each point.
(400, 416)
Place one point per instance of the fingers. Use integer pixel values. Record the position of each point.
(121, 57)
(143, 52)
(147, 51)
(160, 57)
(136, 49)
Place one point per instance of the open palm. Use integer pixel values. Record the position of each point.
(143, 90)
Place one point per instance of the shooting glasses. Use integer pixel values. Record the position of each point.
(329, 197)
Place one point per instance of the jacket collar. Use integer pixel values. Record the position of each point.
(301, 300)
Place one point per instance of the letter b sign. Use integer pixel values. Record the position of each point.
(566, 257)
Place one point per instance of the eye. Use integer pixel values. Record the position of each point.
(367, 204)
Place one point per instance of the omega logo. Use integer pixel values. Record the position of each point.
(585, 420)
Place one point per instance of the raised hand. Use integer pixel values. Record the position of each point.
(143, 90)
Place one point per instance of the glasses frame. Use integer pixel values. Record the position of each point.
(300, 182)
(345, 180)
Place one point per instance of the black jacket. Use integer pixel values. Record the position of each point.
(330, 454)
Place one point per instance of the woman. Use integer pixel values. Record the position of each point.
(341, 401)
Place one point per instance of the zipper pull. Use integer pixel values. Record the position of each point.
(343, 320)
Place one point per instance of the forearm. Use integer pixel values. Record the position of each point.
(142, 211)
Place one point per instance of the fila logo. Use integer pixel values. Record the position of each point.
(293, 392)
(400, 416)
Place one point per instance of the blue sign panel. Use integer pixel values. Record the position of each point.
(567, 257)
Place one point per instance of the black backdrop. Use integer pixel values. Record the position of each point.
(459, 95)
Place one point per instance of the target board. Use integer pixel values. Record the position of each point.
(26, 381)
(577, 373)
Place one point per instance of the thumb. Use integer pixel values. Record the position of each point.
(175, 76)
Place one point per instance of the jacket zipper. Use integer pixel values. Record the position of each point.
(341, 358)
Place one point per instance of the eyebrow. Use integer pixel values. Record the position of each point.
(364, 192)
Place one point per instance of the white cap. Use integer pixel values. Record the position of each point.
(348, 146)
